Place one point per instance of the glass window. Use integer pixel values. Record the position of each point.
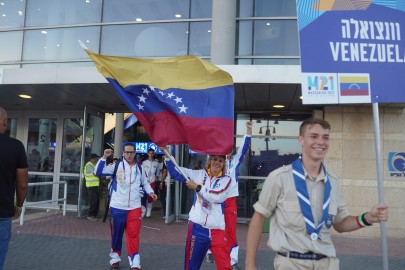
(276, 62)
(11, 44)
(39, 193)
(11, 127)
(54, 65)
(146, 40)
(274, 144)
(94, 136)
(200, 38)
(244, 37)
(245, 8)
(61, 12)
(42, 143)
(72, 145)
(276, 37)
(72, 189)
(201, 8)
(9, 66)
(60, 44)
(240, 132)
(275, 8)
(141, 10)
(244, 61)
(11, 14)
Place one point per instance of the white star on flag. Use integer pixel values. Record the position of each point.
(140, 107)
(170, 95)
(178, 100)
(142, 99)
(183, 108)
(146, 91)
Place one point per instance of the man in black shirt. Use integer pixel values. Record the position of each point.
(13, 181)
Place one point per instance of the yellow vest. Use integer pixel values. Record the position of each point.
(91, 179)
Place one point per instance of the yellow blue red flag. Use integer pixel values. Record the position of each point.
(180, 100)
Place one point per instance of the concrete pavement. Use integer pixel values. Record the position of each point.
(56, 242)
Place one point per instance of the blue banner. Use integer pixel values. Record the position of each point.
(352, 51)
(143, 147)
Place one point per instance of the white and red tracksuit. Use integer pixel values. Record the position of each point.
(125, 207)
(231, 208)
(206, 228)
(151, 168)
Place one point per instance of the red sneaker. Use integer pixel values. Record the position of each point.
(115, 266)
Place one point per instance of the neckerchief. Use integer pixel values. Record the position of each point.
(305, 203)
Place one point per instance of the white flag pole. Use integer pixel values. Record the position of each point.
(175, 163)
(380, 182)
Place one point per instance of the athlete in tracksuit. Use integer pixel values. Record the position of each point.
(151, 168)
(125, 204)
(206, 227)
(231, 207)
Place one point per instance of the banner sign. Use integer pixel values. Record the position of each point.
(143, 147)
(352, 51)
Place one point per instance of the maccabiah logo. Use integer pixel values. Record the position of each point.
(396, 164)
(321, 84)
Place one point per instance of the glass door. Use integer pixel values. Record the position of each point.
(41, 145)
(70, 161)
(92, 143)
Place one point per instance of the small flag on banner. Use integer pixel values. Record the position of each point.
(354, 86)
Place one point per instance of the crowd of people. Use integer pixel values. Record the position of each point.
(303, 201)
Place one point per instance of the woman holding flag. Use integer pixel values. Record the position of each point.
(206, 228)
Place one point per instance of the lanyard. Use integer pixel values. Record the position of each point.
(136, 172)
(305, 203)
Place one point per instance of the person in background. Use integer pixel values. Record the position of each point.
(125, 204)
(159, 174)
(163, 189)
(304, 202)
(151, 168)
(13, 183)
(199, 165)
(206, 227)
(34, 160)
(92, 185)
(231, 207)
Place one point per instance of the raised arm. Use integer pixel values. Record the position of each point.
(101, 169)
(242, 150)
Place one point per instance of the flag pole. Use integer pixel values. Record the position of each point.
(175, 163)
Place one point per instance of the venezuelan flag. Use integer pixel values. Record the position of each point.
(354, 85)
(180, 100)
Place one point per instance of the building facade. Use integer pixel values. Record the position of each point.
(256, 41)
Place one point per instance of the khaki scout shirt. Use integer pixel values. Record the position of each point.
(279, 200)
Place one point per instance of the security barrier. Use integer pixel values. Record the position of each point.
(26, 204)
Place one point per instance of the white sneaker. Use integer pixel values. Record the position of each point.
(149, 210)
(209, 258)
(143, 211)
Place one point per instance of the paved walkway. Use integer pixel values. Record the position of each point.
(56, 242)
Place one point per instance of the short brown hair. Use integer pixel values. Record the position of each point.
(313, 121)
